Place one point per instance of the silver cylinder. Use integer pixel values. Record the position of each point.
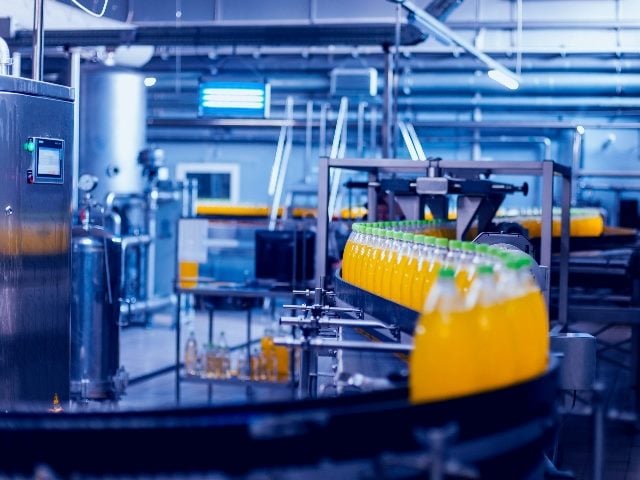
(113, 106)
(95, 310)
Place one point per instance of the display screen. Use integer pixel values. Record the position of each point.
(49, 162)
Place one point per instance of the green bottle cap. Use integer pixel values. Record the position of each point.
(397, 235)
(485, 270)
(418, 238)
(442, 242)
(482, 248)
(430, 240)
(468, 247)
(447, 273)
(407, 237)
(455, 245)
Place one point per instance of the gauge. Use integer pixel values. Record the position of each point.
(87, 182)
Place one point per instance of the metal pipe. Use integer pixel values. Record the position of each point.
(360, 129)
(152, 222)
(16, 67)
(38, 40)
(321, 343)
(148, 306)
(338, 148)
(74, 74)
(308, 143)
(387, 109)
(5, 57)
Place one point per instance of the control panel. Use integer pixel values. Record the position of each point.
(47, 160)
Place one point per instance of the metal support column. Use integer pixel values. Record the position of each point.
(37, 55)
(323, 219)
(547, 220)
(387, 117)
(74, 76)
(565, 236)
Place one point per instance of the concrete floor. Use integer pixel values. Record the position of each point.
(145, 350)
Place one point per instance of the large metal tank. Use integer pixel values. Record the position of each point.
(95, 310)
(36, 137)
(113, 118)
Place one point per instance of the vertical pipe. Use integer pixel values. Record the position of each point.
(396, 77)
(323, 221)
(308, 150)
(360, 135)
(373, 132)
(565, 237)
(576, 160)
(38, 39)
(547, 220)
(322, 142)
(387, 116)
(75, 155)
(16, 64)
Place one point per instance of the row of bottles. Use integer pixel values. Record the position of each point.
(215, 361)
(483, 322)
(403, 265)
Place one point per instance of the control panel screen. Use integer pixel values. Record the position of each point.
(49, 162)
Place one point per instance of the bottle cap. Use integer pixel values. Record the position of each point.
(407, 237)
(430, 240)
(447, 273)
(442, 242)
(485, 270)
(397, 235)
(468, 247)
(455, 245)
(418, 238)
(482, 248)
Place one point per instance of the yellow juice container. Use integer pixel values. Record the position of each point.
(390, 265)
(496, 352)
(411, 272)
(400, 267)
(434, 265)
(347, 255)
(464, 268)
(443, 363)
(378, 272)
(372, 261)
(416, 288)
(189, 272)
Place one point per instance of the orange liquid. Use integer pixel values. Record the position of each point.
(347, 261)
(406, 288)
(189, 272)
(397, 275)
(387, 274)
(416, 289)
(369, 278)
(444, 362)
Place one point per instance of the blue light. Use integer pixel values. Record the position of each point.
(234, 99)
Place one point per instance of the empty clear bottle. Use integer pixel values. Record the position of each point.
(191, 354)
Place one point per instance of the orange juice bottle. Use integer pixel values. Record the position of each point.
(533, 304)
(347, 255)
(465, 267)
(390, 264)
(412, 271)
(405, 244)
(436, 261)
(416, 282)
(385, 251)
(368, 277)
(496, 352)
(363, 257)
(355, 257)
(444, 363)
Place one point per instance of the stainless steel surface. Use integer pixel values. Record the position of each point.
(113, 112)
(5, 57)
(281, 165)
(338, 148)
(74, 74)
(37, 55)
(578, 363)
(95, 315)
(322, 343)
(35, 284)
(387, 108)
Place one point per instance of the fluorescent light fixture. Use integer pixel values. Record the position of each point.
(503, 79)
(432, 25)
(150, 81)
(234, 99)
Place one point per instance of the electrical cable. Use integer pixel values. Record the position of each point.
(91, 12)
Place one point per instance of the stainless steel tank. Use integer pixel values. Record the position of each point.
(36, 137)
(113, 115)
(95, 308)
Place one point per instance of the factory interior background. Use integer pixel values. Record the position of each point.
(265, 226)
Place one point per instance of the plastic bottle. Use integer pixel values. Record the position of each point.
(495, 348)
(377, 241)
(347, 256)
(415, 288)
(191, 354)
(535, 307)
(224, 357)
(443, 364)
(390, 264)
(384, 258)
(436, 261)
(464, 266)
(412, 270)
(405, 245)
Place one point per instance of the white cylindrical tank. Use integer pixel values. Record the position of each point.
(113, 105)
